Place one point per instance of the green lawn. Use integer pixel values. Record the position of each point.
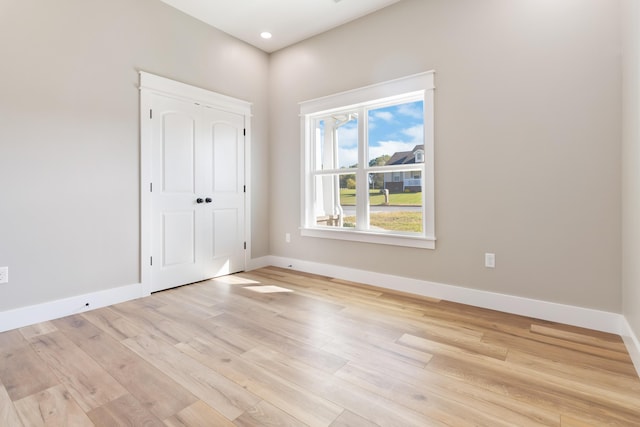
(348, 198)
(393, 221)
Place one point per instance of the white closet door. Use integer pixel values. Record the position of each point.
(197, 198)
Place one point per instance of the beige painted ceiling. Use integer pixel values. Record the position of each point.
(290, 21)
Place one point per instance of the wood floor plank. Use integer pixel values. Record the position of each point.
(294, 331)
(112, 323)
(23, 373)
(578, 335)
(150, 321)
(198, 414)
(423, 397)
(188, 312)
(37, 329)
(265, 414)
(359, 327)
(461, 338)
(465, 392)
(192, 295)
(288, 397)
(8, 414)
(574, 342)
(11, 339)
(478, 319)
(530, 343)
(254, 331)
(124, 411)
(349, 419)
(53, 407)
(226, 338)
(379, 410)
(89, 384)
(604, 380)
(437, 348)
(382, 351)
(151, 387)
(223, 395)
(573, 422)
(415, 323)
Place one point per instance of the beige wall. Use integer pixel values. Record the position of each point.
(528, 158)
(631, 164)
(69, 134)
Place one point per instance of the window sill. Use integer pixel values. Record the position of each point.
(371, 237)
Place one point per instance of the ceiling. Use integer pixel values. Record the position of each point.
(290, 21)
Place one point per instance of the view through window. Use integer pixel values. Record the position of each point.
(366, 168)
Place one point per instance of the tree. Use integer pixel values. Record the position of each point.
(378, 178)
(348, 180)
(380, 161)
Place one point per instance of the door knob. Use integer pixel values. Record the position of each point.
(199, 200)
(208, 200)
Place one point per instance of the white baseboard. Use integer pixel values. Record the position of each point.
(633, 344)
(24, 316)
(256, 263)
(571, 315)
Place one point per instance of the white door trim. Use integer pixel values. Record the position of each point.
(153, 84)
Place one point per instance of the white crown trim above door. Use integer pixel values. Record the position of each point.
(193, 195)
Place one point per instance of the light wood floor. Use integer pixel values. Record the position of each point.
(330, 353)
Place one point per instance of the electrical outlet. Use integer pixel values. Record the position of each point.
(287, 237)
(4, 274)
(490, 260)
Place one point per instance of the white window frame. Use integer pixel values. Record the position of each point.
(421, 85)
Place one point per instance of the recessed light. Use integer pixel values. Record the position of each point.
(265, 35)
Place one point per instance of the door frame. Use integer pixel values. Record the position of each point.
(153, 84)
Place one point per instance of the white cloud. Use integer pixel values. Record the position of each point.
(387, 116)
(347, 157)
(348, 136)
(416, 133)
(347, 145)
(411, 110)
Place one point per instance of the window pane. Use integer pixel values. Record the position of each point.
(399, 210)
(335, 197)
(396, 134)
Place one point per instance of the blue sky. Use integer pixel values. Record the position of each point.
(391, 129)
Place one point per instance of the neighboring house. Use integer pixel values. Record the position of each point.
(399, 182)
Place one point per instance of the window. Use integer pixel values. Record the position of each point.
(368, 164)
